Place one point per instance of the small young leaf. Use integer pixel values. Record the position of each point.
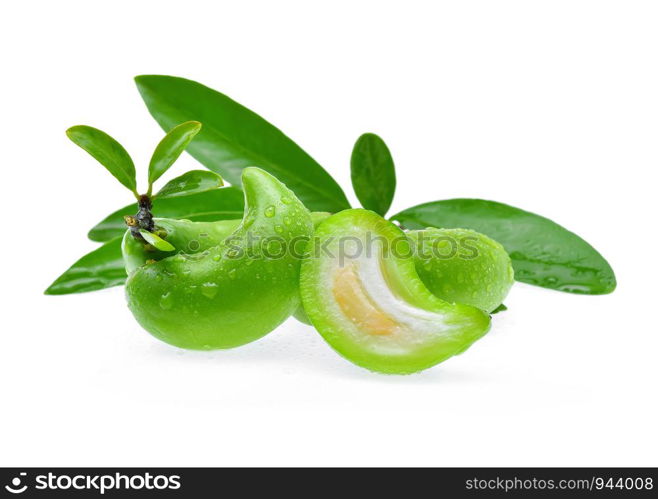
(501, 308)
(170, 148)
(156, 241)
(233, 137)
(373, 173)
(543, 253)
(217, 204)
(102, 268)
(189, 183)
(107, 151)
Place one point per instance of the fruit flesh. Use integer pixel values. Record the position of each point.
(354, 301)
(232, 293)
(372, 307)
(463, 266)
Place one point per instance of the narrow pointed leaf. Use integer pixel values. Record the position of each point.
(373, 173)
(156, 241)
(102, 268)
(171, 147)
(233, 137)
(543, 253)
(217, 204)
(189, 183)
(501, 308)
(107, 151)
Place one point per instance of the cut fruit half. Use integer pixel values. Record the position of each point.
(360, 289)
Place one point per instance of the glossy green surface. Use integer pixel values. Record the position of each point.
(101, 268)
(156, 241)
(317, 217)
(107, 151)
(216, 204)
(191, 182)
(373, 173)
(543, 253)
(170, 148)
(463, 266)
(237, 291)
(186, 236)
(233, 137)
(372, 307)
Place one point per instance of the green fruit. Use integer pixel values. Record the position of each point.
(463, 266)
(232, 293)
(360, 289)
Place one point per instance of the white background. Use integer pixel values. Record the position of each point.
(550, 106)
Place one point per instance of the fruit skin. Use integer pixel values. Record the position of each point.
(408, 329)
(463, 266)
(237, 291)
(186, 236)
(317, 217)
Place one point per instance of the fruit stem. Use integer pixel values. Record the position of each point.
(143, 220)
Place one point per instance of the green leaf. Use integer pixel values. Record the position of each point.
(156, 241)
(373, 173)
(501, 308)
(233, 137)
(190, 183)
(218, 204)
(107, 151)
(170, 148)
(102, 268)
(543, 253)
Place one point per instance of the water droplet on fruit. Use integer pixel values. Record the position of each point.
(209, 289)
(270, 211)
(166, 301)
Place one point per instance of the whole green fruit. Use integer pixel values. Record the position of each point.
(463, 266)
(232, 293)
